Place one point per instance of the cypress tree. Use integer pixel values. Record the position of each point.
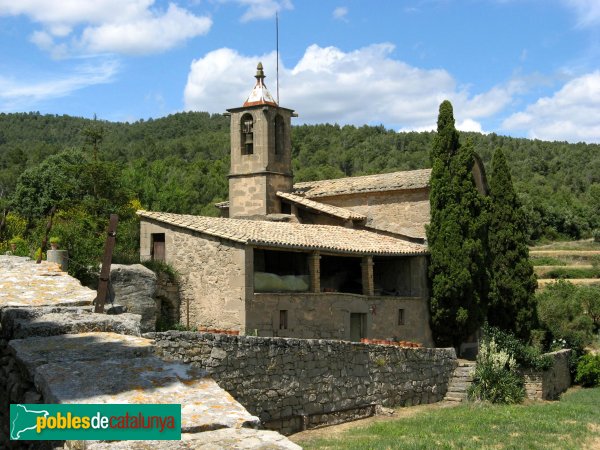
(512, 282)
(456, 238)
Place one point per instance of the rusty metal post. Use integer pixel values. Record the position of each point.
(45, 241)
(106, 261)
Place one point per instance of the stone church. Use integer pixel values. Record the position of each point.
(333, 259)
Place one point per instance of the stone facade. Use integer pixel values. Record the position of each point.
(256, 194)
(327, 316)
(216, 288)
(404, 212)
(212, 280)
(548, 385)
(255, 178)
(293, 384)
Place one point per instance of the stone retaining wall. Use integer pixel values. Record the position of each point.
(294, 384)
(16, 386)
(548, 385)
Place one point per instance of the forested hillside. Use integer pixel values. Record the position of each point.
(179, 163)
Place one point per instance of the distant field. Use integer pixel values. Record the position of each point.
(542, 282)
(565, 260)
(584, 244)
(577, 262)
(567, 272)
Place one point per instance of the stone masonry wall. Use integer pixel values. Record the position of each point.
(403, 212)
(548, 385)
(327, 316)
(293, 384)
(167, 293)
(211, 275)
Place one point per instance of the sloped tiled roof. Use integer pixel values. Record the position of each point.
(292, 235)
(412, 179)
(331, 210)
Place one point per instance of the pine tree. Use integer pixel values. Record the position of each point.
(456, 237)
(512, 282)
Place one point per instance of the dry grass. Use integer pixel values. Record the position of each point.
(579, 281)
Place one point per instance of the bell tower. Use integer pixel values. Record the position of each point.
(261, 153)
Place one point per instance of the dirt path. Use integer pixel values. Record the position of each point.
(582, 281)
(398, 413)
(564, 252)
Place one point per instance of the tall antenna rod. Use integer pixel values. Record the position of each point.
(277, 39)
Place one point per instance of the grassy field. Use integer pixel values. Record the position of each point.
(571, 423)
(576, 261)
(584, 244)
(580, 271)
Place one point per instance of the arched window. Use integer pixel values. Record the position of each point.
(247, 134)
(279, 135)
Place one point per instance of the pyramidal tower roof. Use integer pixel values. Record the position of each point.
(260, 95)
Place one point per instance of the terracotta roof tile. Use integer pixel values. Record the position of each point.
(292, 235)
(412, 179)
(335, 211)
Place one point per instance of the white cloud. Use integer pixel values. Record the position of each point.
(571, 114)
(340, 13)
(328, 85)
(118, 26)
(469, 125)
(149, 34)
(17, 94)
(262, 9)
(587, 11)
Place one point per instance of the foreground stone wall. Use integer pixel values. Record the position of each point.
(548, 385)
(293, 384)
(54, 349)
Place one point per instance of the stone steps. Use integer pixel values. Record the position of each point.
(460, 382)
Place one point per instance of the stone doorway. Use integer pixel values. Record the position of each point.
(358, 326)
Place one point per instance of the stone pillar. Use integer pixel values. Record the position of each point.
(367, 276)
(60, 257)
(314, 265)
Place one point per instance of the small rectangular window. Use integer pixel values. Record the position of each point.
(283, 319)
(400, 317)
(157, 251)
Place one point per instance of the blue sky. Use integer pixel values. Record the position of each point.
(514, 67)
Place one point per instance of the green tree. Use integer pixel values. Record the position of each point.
(561, 308)
(57, 181)
(512, 280)
(456, 237)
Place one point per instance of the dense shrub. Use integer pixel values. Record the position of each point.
(496, 378)
(563, 310)
(526, 356)
(159, 267)
(22, 248)
(588, 370)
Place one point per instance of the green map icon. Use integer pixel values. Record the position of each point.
(23, 420)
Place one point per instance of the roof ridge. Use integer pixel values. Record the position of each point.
(399, 180)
